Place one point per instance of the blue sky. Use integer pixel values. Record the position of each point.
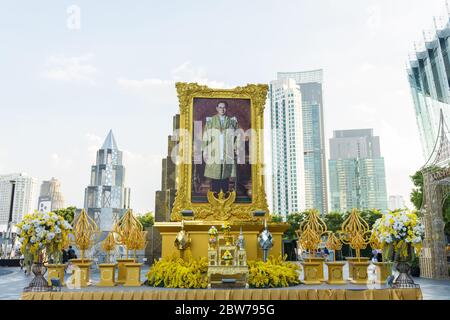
(61, 89)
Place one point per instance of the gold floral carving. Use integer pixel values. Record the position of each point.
(219, 209)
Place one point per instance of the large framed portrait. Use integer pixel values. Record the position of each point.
(220, 162)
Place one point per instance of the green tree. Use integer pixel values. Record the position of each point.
(147, 220)
(68, 213)
(294, 221)
(334, 221)
(276, 218)
(371, 216)
(417, 192)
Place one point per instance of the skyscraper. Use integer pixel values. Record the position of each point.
(106, 198)
(287, 147)
(50, 197)
(357, 173)
(24, 199)
(429, 79)
(315, 180)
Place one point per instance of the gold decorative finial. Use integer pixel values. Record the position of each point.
(333, 243)
(108, 245)
(129, 232)
(356, 232)
(311, 231)
(85, 231)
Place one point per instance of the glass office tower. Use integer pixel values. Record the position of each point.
(429, 79)
(310, 85)
(357, 172)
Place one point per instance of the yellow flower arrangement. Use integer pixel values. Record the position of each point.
(174, 272)
(275, 273)
(398, 231)
(43, 233)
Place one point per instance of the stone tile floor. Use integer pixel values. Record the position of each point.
(13, 280)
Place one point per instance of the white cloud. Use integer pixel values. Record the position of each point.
(163, 90)
(71, 69)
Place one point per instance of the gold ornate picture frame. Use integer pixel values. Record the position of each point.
(221, 207)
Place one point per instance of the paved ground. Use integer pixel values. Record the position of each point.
(13, 280)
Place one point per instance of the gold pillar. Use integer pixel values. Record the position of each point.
(81, 273)
(121, 270)
(360, 275)
(107, 275)
(56, 271)
(133, 277)
(384, 270)
(336, 272)
(311, 271)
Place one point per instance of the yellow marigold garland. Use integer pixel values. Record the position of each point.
(174, 272)
(275, 273)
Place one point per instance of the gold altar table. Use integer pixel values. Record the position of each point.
(249, 294)
(198, 233)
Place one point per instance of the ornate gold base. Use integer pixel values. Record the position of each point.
(121, 270)
(133, 278)
(56, 271)
(107, 275)
(384, 270)
(336, 273)
(360, 275)
(312, 273)
(350, 266)
(321, 262)
(81, 274)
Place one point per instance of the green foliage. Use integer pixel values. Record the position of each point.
(417, 192)
(174, 272)
(371, 216)
(417, 198)
(275, 273)
(68, 213)
(147, 220)
(294, 221)
(276, 218)
(447, 216)
(334, 221)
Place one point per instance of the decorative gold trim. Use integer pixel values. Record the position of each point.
(213, 211)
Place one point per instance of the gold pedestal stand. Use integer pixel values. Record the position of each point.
(121, 269)
(133, 274)
(81, 273)
(56, 271)
(360, 275)
(384, 270)
(336, 273)
(107, 275)
(312, 273)
(320, 261)
(350, 266)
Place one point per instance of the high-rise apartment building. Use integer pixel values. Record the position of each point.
(50, 197)
(288, 180)
(24, 198)
(357, 172)
(396, 202)
(106, 198)
(429, 79)
(310, 85)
